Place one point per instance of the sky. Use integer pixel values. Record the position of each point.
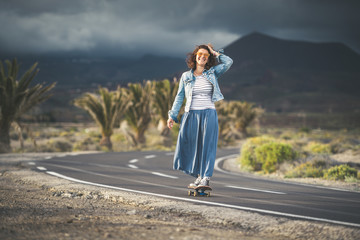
(167, 27)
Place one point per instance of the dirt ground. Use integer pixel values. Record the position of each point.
(30, 212)
(35, 205)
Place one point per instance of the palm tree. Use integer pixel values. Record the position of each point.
(164, 94)
(235, 117)
(227, 131)
(104, 108)
(138, 115)
(245, 113)
(17, 97)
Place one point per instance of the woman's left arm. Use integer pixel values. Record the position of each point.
(225, 64)
(225, 61)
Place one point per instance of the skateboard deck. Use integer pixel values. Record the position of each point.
(199, 191)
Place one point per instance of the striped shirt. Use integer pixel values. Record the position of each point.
(201, 94)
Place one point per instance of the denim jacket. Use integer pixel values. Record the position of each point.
(187, 82)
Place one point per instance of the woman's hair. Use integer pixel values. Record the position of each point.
(191, 58)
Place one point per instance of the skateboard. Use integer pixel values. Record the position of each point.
(199, 191)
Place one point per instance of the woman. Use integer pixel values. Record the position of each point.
(197, 141)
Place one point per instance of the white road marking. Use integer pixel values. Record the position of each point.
(41, 168)
(31, 163)
(218, 160)
(132, 166)
(206, 202)
(150, 156)
(48, 157)
(121, 178)
(163, 175)
(74, 154)
(254, 189)
(133, 161)
(169, 154)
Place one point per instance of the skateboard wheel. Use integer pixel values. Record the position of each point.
(189, 193)
(195, 194)
(208, 194)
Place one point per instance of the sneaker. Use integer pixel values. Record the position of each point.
(205, 182)
(196, 183)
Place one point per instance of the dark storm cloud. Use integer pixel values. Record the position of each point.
(329, 20)
(168, 27)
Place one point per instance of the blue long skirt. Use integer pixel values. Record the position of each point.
(197, 143)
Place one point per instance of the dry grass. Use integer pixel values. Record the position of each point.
(67, 137)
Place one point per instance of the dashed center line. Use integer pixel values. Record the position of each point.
(254, 189)
(133, 161)
(41, 168)
(150, 156)
(164, 175)
(132, 166)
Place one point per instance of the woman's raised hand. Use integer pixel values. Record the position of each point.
(211, 48)
(170, 123)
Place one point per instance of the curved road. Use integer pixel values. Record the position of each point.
(151, 173)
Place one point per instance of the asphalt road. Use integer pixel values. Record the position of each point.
(151, 173)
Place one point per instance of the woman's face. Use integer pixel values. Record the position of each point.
(202, 56)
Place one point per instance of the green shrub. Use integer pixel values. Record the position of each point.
(73, 129)
(342, 144)
(56, 146)
(247, 158)
(318, 148)
(305, 130)
(62, 146)
(271, 154)
(313, 166)
(65, 134)
(286, 136)
(340, 172)
(352, 179)
(307, 169)
(94, 134)
(264, 153)
(118, 137)
(83, 145)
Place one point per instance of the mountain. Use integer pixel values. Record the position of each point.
(288, 76)
(279, 53)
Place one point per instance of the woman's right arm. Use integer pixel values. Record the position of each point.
(179, 99)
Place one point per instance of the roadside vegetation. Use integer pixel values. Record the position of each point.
(304, 153)
(17, 96)
(105, 108)
(132, 117)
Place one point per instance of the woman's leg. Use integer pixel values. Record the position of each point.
(186, 156)
(209, 139)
